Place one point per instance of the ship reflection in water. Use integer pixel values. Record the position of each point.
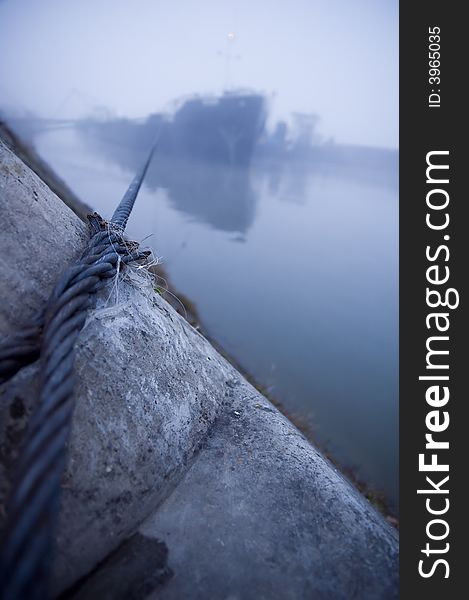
(200, 135)
(307, 302)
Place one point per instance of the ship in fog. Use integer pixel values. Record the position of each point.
(220, 130)
(209, 145)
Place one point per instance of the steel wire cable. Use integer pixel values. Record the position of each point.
(34, 501)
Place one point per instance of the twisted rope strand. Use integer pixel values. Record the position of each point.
(34, 500)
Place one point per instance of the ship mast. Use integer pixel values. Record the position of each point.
(230, 38)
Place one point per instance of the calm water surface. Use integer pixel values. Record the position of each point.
(294, 270)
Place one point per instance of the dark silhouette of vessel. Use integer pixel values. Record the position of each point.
(221, 130)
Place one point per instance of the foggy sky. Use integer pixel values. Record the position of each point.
(336, 58)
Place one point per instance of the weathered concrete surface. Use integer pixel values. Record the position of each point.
(143, 407)
(27, 153)
(174, 451)
(261, 514)
(33, 249)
